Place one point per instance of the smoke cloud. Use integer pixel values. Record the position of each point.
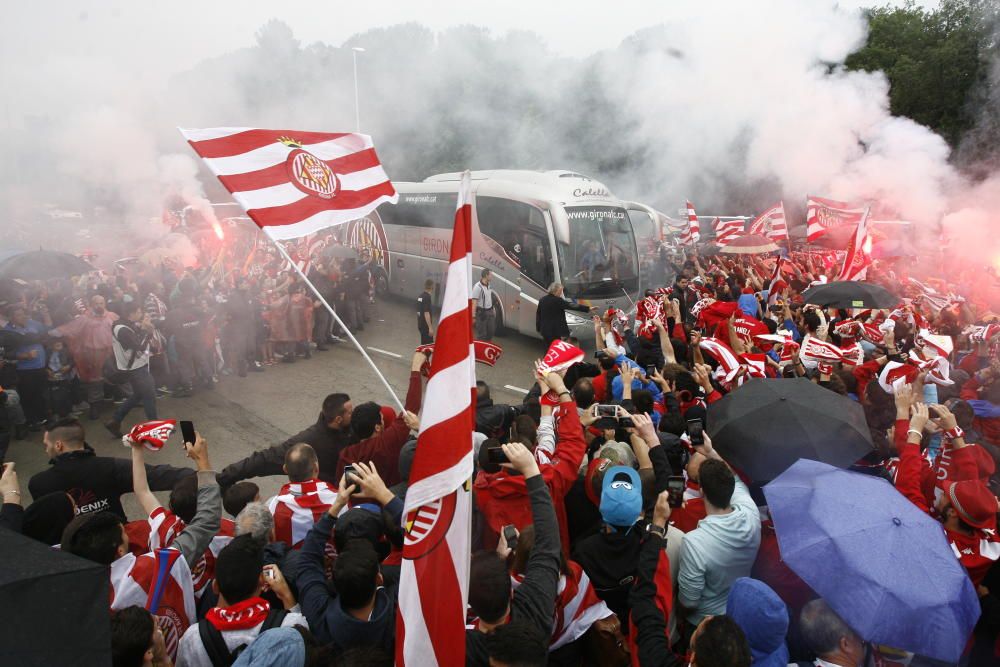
(731, 105)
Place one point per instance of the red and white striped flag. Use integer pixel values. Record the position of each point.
(692, 233)
(777, 286)
(293, 183)
(858, 256)
(160, 581)
(771, 223)
(824, 214)
(727, 231)
(434, 574)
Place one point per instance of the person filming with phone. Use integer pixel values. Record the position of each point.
(502, 494)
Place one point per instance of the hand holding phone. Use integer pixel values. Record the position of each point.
(351, 477)
(496, 455)
(510, 536)
(187, 432)
(675, 489)
(695, 430)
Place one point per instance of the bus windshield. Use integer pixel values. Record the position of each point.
(600, 260)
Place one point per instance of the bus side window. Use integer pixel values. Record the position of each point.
(520, 229)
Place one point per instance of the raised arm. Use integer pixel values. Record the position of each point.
(196, 536)
(650, 597)
(667, 347)
(534, 599)
(140, 484)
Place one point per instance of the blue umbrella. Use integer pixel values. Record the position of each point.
(880, 562)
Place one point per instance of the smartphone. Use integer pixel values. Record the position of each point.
(694, 429)
(351, 472)
(675, 490)
(510, 536)
(608, 410)
(187, 432)
(496, 455)
(650, 370)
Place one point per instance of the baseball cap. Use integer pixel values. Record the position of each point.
(594, 479)
(621, 497)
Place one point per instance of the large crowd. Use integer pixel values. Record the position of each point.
(585, 549)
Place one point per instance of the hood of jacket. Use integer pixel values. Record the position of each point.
(502, 485)
(763, 618)
(74, 455)
(347, 630)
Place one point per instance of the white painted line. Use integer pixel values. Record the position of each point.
(391, 354)
(517, 389)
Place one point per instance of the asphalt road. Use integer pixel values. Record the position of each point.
(241, 415)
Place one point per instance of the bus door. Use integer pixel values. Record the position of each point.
(647, 240)
(521, 232)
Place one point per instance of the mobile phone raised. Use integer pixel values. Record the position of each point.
(496, 455)
(187, 432)
(695, 430)
(675, 490)
(510, 536)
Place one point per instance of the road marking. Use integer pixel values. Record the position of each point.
(391, 354)
(517, 389)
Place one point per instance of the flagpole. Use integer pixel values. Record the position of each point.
(337, 319)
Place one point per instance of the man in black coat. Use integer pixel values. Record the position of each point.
(96, 483)
(328, 436)
(550, 317)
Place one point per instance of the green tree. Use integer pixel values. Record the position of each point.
(936, 61)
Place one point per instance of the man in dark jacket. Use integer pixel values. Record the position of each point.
(550, 316)
(96, 483)
(358, 608)
(328, 436)
(324, 283)
(185, 324)
(533, 603)
(492, 420)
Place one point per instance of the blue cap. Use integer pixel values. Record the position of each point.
(621, 496)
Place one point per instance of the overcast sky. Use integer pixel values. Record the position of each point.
(164, 37)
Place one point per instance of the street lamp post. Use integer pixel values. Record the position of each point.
(355, 50)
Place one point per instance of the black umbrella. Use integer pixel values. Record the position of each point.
(55, 606)
(850, 294)
(765, 426)
(42, 265)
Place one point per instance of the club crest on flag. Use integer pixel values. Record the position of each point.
(368, 232)
(308, 173)
(427, 525)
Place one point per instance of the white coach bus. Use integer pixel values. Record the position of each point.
(531, 228)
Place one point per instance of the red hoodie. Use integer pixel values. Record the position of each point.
(977, 552)
(503, 497)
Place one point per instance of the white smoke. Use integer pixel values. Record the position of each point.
(731, 105)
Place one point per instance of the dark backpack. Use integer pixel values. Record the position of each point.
(216, 647)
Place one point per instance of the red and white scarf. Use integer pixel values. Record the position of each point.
(647, 310)
(577, 606)
(240, 616)
(297, 507)
(814, 349)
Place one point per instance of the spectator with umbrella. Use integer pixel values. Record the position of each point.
(881, 564)
(768, 425)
